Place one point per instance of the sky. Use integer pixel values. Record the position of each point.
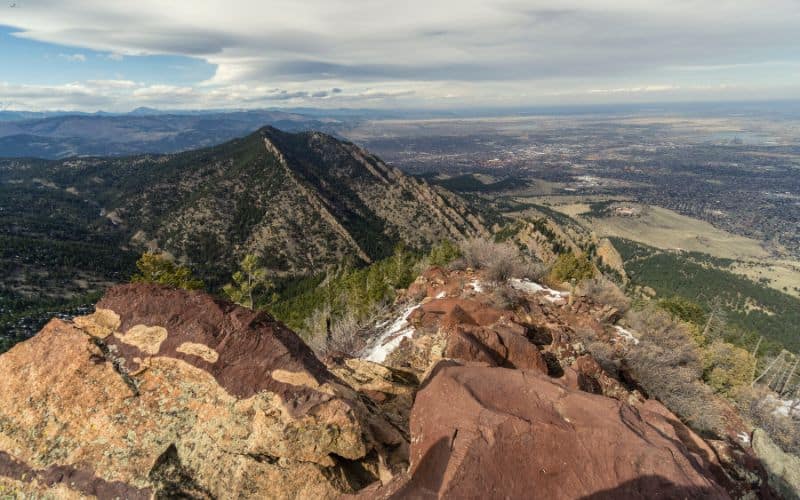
(114, 55)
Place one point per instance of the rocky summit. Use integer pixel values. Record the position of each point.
(165, 393)
(171, 393)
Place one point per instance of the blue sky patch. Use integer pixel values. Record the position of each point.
(30, 62)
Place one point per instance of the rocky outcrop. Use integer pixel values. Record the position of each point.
(483, 432)
(168, 393)
(457, 323)
(783, 468)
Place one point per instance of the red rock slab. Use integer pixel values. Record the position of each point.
(478, 313)
(483, 432)
(494, 346)
(250, 345)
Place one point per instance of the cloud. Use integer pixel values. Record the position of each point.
(417, 51)
(120, 95)
(73, 57)
(112, 84)
(635, 90)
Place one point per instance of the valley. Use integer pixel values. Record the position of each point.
(736, 170)
(305, 257)
(713, 194)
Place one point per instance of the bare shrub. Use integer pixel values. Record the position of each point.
(344, 337)
(761, 406)
(478, 252)
(333, 335)
(666, 364)
(506, 297)
(534, 271)
(604, 291)
(315, 331)
(502, 269)
(668, 338)
(501, 261)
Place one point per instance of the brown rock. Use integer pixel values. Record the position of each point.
(463, 311)
(434, 282)
(498, 433)
(591, 377)
(184, 395)
(495, 347)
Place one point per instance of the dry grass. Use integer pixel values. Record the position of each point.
(666, 364)
(669, 230)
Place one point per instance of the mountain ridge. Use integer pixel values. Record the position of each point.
(279, 194)
(300, 201)
(64, 135)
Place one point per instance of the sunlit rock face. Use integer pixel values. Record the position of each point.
(168, 392)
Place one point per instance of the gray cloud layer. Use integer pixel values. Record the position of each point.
(436, 52)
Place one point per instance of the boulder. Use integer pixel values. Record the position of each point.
(483, 432)
(591, 377)
(168, 393)
(495, 347)
(454, 311)
(783, 468)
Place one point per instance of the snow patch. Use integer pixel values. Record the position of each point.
(744, 438)
(441, 295)
(784, 407)
(476, 285)
(626, 334)
(528, 286)
(390, 338)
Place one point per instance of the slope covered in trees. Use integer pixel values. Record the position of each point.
(755, 309)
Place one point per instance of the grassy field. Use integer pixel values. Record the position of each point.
(667, 230)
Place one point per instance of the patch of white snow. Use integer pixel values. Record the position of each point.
(441, 295)
(744, 438)
(784, 407)
(626, 334)
(390, 338)
(528, 286)
(476, 285)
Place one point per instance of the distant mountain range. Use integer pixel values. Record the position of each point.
(144, 130)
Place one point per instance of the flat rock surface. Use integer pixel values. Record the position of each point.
(484, 432)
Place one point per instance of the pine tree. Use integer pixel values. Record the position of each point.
(250, 278)
(156, 268)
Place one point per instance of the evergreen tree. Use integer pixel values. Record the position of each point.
(250, 278)
(569, 267)
(156, 268)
